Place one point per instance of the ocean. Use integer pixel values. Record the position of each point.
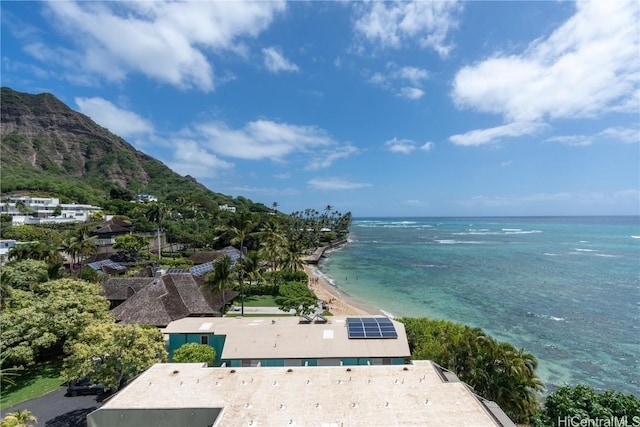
(566, 289)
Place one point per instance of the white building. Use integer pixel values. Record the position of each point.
(227, 208)
(42, 210)
(5, 246)
(416, 394)
(144, 198)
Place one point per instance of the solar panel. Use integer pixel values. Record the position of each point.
(97, 265)
(370, 328)
(177, 270)
(201, 269)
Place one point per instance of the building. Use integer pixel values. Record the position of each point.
(5, 246)
(144, 198)
(42, 210)
(194, 395)
(290, 341)
(227, 208)
(168, 298)
(107, 232)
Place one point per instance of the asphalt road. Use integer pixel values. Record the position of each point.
(57, 410)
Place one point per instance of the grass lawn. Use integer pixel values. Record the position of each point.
(32, 383)
(258, 301)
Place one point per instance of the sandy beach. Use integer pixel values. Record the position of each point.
(338, 302)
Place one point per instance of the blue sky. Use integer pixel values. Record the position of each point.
(377, 108)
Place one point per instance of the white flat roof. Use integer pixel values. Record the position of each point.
(288, 338)
(402, 395)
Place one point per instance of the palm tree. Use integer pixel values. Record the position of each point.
(293, 256)
(274, 207)
(240, 227)
(220, 279)
(273, 243)
(78, 244)
(251, 268)
(156, 212)
(22, 418)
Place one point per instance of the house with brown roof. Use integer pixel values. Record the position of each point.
(118, 290)
(107, 232)
(170, 297)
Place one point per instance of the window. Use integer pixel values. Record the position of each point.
(204, 339)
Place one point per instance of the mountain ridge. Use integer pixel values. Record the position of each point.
(48, 147)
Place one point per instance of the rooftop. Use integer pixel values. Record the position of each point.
(404, 395)
(287, 337)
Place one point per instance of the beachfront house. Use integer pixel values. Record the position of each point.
(191, 394)
(45, 210)
(289, 341)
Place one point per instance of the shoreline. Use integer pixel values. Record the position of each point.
(338, 302)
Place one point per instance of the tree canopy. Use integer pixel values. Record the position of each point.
(580, 404)
(111, 354)
(495, 370)
(194, 353)
(46, 316)
(297, 296)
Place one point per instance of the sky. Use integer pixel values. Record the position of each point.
(427, 108)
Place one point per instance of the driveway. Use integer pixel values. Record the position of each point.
(54, 409)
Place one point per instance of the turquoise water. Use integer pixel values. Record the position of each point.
(566, 289)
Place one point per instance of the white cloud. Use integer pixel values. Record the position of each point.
(406, 146)
(163, 40)
(413, 74)
(428, 146)
(334, 183)
(189, 158)
(412, 93)
(574, 140)
(613, 134)
(587, 67)
(485, 136)
(626, 135)
(403, 146)
(392, 24)
(121, 122)
(405, 81)
(262, 139)
(275, 61)
(327, 157)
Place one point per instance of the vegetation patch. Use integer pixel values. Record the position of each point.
(34, 382)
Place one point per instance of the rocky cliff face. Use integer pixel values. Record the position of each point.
(41, 133)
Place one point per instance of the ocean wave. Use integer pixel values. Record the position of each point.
(386, 313)
(635, 237)
(459, 242)
(429, 265)
(546, 316)
(504, 231)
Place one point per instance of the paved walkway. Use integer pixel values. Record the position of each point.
(57, 410)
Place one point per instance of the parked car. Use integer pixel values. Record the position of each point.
(84, 386)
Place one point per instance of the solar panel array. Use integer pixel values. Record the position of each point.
(106, 263)
(232, 253)
(177, 270)
(201, 269)
(370, 328)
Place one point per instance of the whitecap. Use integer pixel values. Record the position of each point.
(546, 316)
(635, 237)
(389, 315)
